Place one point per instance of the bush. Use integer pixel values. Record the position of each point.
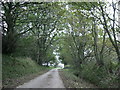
(97, 75)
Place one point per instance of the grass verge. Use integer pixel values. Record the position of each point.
(16, 71)
(72, 81)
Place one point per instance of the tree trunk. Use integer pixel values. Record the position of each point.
(9, 39)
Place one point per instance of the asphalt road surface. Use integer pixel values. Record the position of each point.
(51, 79)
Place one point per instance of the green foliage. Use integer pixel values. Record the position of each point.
(99, 76)
(31, 28)
(72, 81)
(14, 67)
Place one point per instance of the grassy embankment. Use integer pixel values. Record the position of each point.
(16, 71)
(72, 81)
(88, 80)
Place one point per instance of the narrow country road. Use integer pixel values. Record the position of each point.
(50, 79)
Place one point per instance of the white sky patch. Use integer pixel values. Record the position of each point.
(61, 65)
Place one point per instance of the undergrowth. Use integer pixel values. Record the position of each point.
(14, 68)
(99, 76)
(72, 81)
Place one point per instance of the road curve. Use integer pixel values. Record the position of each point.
(51, 79)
